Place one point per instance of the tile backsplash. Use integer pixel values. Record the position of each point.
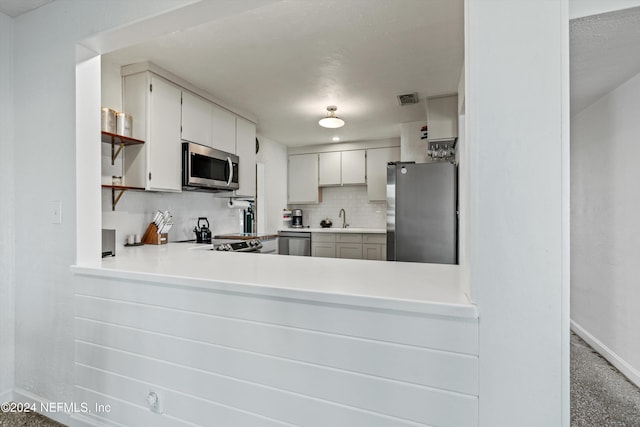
(360, 211)
(135, 211)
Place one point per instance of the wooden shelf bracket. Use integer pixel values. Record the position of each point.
(115, 199)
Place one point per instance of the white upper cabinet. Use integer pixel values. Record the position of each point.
(224, 130)
(377, 159)
(164, 113)
(342, 168)
(442, 117)
(303, 179)
(164, 137)
(329, 169)
(246, 150)
(354, 167)
(155, 106)
(197, 119)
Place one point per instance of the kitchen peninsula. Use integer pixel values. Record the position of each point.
(403, 337)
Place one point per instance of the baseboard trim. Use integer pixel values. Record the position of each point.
(627, 370)
(71, 420)
(6, 396)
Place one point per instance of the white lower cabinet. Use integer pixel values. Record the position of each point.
(374, 252)
(374, 247)
(323, 245)
(349, 250)
(349, 245)
(324, 250)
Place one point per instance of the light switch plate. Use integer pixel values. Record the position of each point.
(55, 212)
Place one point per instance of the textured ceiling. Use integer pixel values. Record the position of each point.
(14, 8)
(604, 54)
(286, 61)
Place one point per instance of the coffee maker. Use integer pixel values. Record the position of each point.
(296, 218)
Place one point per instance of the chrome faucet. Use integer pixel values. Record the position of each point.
(342, 214)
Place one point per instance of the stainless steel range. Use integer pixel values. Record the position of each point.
(252, 245)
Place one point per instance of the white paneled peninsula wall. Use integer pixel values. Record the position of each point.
(237, 351)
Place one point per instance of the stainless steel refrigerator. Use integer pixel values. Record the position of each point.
(422, 219)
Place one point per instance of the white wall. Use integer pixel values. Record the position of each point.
(516, 98)
(7, 241)
(412, 148)
(605, 236)
(111, 87)
(274, 157)
(45, 129)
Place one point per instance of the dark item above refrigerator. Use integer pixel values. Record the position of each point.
(422, 218)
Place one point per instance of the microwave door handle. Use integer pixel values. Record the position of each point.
(230, 171)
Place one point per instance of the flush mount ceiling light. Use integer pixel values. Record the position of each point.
(331, 121)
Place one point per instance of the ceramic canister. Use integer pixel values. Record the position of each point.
(108, 117)
(123, 124)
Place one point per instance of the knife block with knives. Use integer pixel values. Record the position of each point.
(152, 236)
(157, 233)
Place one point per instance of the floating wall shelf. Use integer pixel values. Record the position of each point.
(120, 189)
(120, 140)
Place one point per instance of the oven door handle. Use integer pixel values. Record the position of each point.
(230, 171)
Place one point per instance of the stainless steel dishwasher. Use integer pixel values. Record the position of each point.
(294, 243)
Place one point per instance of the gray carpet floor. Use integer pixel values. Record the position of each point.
(26, 419)
(600, 395)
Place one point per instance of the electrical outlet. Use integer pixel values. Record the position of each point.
(55, 212)
(154, 401)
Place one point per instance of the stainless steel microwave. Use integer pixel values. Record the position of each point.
(207, 169)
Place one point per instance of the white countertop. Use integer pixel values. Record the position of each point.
(337, 230)
(424, 288)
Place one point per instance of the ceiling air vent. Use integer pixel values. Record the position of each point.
(408, 99)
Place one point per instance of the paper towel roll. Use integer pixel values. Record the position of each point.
(238, 204)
